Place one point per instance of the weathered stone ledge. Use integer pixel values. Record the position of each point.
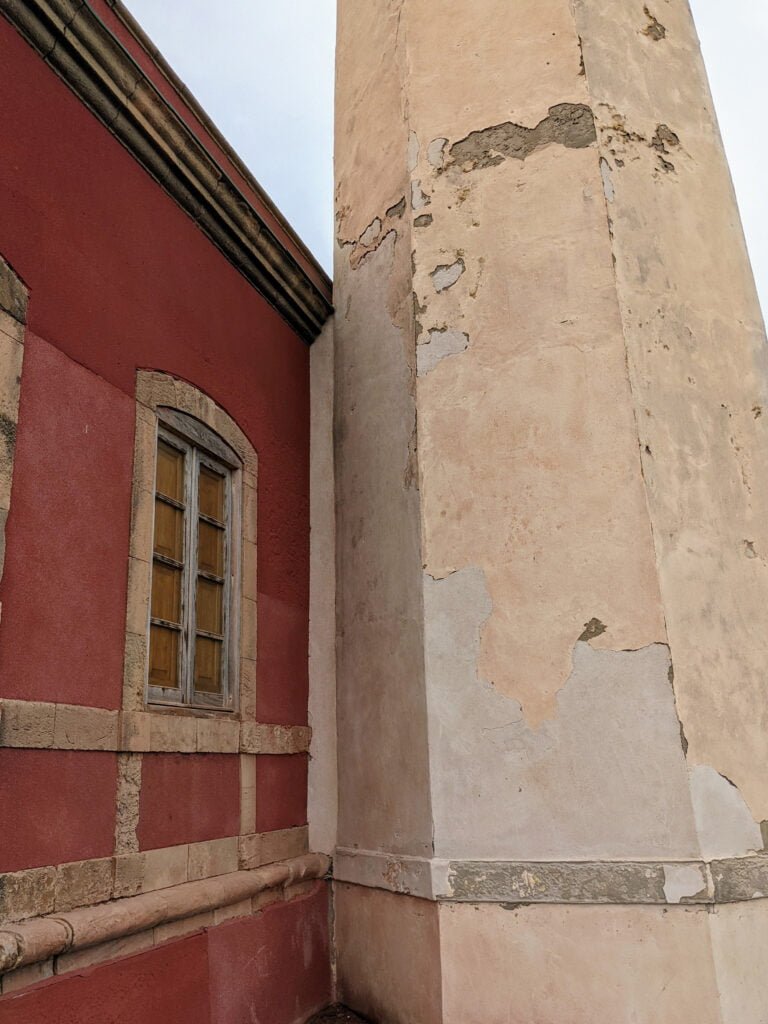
(43, 938)
(40, 725)
(656, 883)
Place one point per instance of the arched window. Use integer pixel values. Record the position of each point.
(190, 638)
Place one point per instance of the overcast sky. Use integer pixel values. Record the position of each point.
(264, 72)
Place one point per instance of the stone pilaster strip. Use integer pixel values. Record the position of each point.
(13, 316)
(127, 809)
(41, 939)
(37, 724)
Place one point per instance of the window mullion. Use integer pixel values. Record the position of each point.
(191, 576)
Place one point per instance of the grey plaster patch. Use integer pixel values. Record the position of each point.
(724, 823)
(438, 345)
(568, 124)
(419, 198)
(447, 274)
(436, 153)
(604, 779)
(608, 187)
(682, 882)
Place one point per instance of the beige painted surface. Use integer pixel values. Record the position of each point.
(388, 955)
(580, 965)
(550, 492)
(383, 759)
(696, 350)
(322, 805)
(740, 941)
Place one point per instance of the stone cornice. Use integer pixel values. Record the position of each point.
(659, 883)
(76, 44)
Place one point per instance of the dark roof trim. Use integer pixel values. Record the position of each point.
(77, 45)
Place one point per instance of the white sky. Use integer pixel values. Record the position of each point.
(264, 72)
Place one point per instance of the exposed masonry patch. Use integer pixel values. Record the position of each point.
(654, 30)
(617, 135)
(439, 344)
(446, 275)
(569, 124)
(592, 629)
(423, 220)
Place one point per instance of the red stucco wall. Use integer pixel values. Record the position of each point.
(121, 279)
(210, 808)
(273, 969)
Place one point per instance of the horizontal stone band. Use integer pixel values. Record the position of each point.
(40, 725)
(45, 937)
(660, 883)
(35, 892)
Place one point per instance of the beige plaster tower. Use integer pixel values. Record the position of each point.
(552, 547)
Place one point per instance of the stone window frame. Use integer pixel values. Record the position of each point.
(157, 391)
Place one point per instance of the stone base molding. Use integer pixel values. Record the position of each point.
(64, 887)
(40, 725)
(154, 914)
(665, 883)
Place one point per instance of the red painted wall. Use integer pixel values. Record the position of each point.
(62, 633)
(56, 806)
(273, 968)
(281, 791)
(121, 278)
(188, 798)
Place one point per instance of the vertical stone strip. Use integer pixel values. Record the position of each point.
(128, 793)
(13, 317)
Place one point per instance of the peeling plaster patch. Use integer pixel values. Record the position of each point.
(436, 153)
(413, 152)
(372, 232)
(569, 124)
(439, 344)
(573, 788)
(608, 188)
(423, 220)
(723, 821)
(397, 210)
(419, 198)
(373, 236)
(447, 274)
(683, 881)
(654, 30)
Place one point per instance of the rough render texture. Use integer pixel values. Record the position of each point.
(586, 436)
(541, 514)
